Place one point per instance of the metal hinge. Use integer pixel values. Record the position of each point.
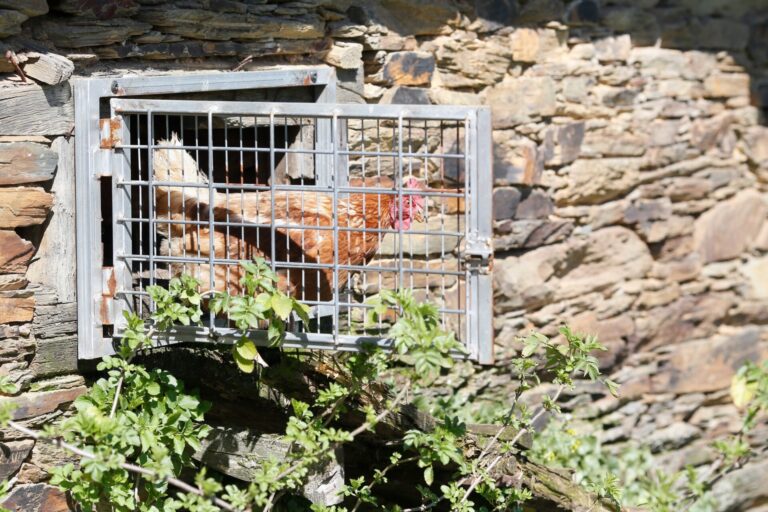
(478, 253)
(109, 132)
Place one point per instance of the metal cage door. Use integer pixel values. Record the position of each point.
(343, 200)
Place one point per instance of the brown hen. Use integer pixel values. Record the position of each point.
(299, 219)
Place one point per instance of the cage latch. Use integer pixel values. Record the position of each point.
(109, 132)
(478, 254)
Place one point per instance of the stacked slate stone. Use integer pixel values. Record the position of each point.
(630, 162)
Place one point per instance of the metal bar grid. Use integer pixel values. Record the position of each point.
(397, 208)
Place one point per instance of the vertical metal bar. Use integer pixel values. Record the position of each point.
(410, 202)
(183, 203)
(334, 143)
(425, 167)
(241, 243)
(121, 231)
(286, 159)
(470, 181)
(442, 217)
(484, 224)
(323, 130)
(151, 199)
(88, 198)
(399, 185)
(256, 160)
(378, 206)
(227, 255)
(318, 274)
(140, 225)
(211, 226)
(365, 202)
(198, 245)
(168, 196)
(273, 231)
(302, 143)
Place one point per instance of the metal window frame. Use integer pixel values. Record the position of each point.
(93, 162)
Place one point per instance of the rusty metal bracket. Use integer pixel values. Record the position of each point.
(109, 132)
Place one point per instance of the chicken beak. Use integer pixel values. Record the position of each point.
(418, 215)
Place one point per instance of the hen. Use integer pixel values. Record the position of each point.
(295, 214)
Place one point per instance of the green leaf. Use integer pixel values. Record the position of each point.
(429, 475)
(275, 332)
(245, 365)
(7, 387)
(153, 388)
(613, 387)
(302, 310)
(282, 305)
(246, 349)
(188, 402)
(742, 391)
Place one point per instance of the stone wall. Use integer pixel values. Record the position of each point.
(630, 161)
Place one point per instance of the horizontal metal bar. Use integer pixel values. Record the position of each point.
(308, 341)
(287, 264)
(288, 227)
(298, 151)
(298, 188)
(193, 82)
(308, 302)
(351, 110)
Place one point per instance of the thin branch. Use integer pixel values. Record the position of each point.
(383, 414)
(717, 470)
(117, 395)
(242, 63)
(13, 59)
(133, 468)
(426, 506)
(270, 502)
(359, 430)
(515, 439)
(503, 427)
(383, 473)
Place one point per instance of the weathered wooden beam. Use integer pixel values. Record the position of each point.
(26, 162)
(238, 452)
(557, 486)
(23, 206)
(57, 242)
(55, 330)
(56, 356)
(236, 449)
(29, 109)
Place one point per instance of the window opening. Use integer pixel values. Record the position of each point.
(342, 200)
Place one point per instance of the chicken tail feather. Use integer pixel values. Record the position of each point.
(175, 164)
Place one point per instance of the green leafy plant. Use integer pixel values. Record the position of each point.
(262, 304)
(136, 428)
(147, 420)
